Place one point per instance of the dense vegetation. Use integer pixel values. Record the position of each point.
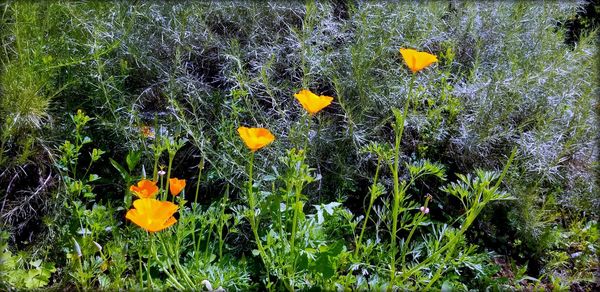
(477, 172)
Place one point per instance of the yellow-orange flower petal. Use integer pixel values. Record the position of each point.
(145, 189)
(152, 215)
(417, 61)
(176, 186)
(311, 102)
(255, 138)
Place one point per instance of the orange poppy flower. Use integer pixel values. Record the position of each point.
(152, 215)
(255, 138)
(176, 186)
(311, 102)
(416, 60)
(145, 189)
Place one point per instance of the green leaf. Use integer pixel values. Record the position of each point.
(336, 248)
(329, 207)
(273, 204)
(36, 263)
(132, 159)
(446, 287)
(96, 154)
(325, 266)
(320, 217)
(302, 263)
(124, 173)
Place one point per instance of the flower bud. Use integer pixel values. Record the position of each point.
(77, 248)
(98, 246)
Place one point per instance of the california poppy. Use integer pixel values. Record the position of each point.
(152, 215)
(145, 189)
(176, 186)
(255, 138)
(311, 102)
(417, 61)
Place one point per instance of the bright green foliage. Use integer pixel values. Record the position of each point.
(476, 173)
(17, 272)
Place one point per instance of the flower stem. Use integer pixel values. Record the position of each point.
(141, 271)
(308, 125)
(415, 223)
(252, 219)
(371, 201)
(179, 270)
(195, 206)
(171, 157)
(200, 168)
(222, 222)
(398, 195)
(210, 229)
(153, 252)
(296, 207)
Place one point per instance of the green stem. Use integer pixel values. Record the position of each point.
(178, 268)
(200, 168)
(416, 222)
(153, 252)
(155, 171)
(81, 274)
(197, 246)
(150, 282)
(157, 149)
(394, 229)
(476, 209)
(210, 228)
(194, 208)
(179, 271)
(306, 119)
(2, 151)
(398, 195)
(295, 218)
(252, 218)
(166, 268)
(140, 270)
(452, 244)
(222, 222)
(506, 167)
(297, 207)
(171, 157)
(371, 202)
(280, 217)
(434, 256)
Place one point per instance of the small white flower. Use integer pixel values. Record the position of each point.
(162, 172)
(424, 210)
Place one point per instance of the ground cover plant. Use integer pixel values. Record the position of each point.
(318, 145)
